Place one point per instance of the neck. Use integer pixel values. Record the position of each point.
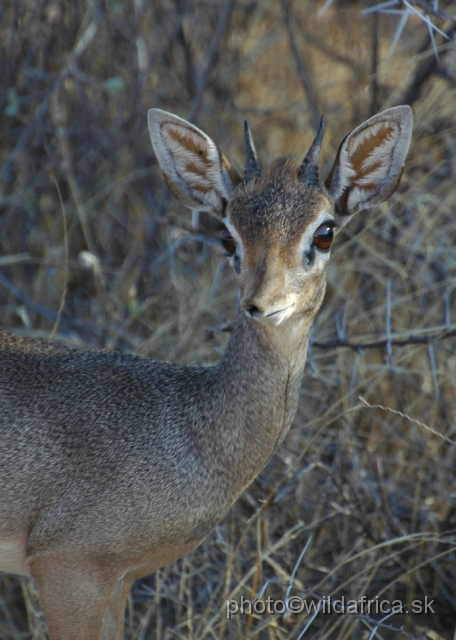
(259, 378)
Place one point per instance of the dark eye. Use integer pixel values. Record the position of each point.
(323, 236)
(228, 242)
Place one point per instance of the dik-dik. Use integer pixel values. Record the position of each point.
(112, 465)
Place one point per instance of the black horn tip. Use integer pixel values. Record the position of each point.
(308, 171)
(252, 168)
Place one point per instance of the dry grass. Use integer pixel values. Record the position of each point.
(360, 500)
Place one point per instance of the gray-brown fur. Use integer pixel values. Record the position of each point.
(113, 465)
(276, 202)
(116, 424)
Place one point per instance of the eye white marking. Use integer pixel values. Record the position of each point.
(239, 246)
(306, 250)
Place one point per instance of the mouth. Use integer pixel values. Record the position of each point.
(274, 318)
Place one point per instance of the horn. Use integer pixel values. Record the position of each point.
(308, 171)
(252, 168)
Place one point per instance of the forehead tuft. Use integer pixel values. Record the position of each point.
(276, 203)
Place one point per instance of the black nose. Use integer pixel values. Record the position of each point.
(253, 311)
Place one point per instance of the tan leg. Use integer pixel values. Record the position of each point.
(113, 623)
(73, 595)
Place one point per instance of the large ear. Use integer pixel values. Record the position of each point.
(195, 170)
(370, 161)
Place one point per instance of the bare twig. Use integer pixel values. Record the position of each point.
(446, 74)
(424, 69)
(219, 31)
(437, 334)
(432, 10)
(65, 265)
(374, 100)
(389, 351)
(329, 51)
(36, 122)
(44, 312)
(407, 417)
(427, 8)
(447, 305)
(62, 134)
(434, 370)
(384, 342)
(301, 68)
(23, 297)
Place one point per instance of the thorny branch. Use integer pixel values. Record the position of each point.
(426, 69)
(333, 343)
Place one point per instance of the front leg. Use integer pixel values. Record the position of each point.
(74, 595)
(114, 619)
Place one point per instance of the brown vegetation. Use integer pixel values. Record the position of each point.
(361, 498)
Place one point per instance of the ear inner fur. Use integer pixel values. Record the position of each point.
(370, 161)
(196, 171)
(365, 152)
